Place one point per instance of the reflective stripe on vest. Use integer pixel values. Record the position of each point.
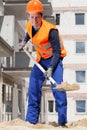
(43, 47)
(48, 53)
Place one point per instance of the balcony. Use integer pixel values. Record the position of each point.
(18, 8)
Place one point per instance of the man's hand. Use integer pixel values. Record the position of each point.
(48, 73)
(21, 46)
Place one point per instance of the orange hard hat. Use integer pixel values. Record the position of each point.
(34, 6)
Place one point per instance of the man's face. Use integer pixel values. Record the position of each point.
(35, 19)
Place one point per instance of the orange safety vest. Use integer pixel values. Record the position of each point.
(41, 42)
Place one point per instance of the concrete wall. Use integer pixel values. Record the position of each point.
(72, 114)
(65, 3)
(7, 30)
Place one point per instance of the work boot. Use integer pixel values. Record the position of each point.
(63, 126)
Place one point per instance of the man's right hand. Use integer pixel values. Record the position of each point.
(21, 46)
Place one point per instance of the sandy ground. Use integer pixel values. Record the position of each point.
(19, 124)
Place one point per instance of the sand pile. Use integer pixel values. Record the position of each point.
(82, 122)
(18, 124)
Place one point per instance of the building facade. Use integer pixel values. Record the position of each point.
(71, 20)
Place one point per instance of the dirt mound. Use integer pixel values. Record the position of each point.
(18, 124)
(82, 122)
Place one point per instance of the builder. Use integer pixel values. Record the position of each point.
(49, 54)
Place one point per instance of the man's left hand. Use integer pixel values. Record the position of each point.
(48, 73)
